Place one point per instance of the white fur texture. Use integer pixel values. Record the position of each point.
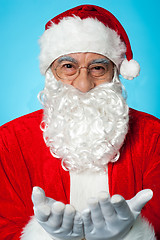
(85, 130)
(73, 34)
(34, 231)
(129, 69)
(85, 185)
(140, 231)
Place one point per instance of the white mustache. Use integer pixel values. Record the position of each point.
(85, 130)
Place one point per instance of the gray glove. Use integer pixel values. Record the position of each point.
(59, 220)
(111, 219)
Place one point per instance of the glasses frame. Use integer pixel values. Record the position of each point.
(74, 76)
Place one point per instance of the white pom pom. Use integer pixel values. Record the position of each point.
(129, 69)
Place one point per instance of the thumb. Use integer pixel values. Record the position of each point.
(141, 198)
(38, 196)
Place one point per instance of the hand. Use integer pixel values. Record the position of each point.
(111, 219)
(59, 220)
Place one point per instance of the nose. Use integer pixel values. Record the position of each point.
(83, 82)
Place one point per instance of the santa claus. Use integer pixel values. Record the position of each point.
(90, 163)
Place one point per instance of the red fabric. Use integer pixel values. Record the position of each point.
(139, 165)
(104, 16)
(27, 162)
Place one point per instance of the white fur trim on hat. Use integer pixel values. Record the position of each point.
(129, 69)
(73, 34)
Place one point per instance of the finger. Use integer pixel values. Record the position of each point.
(38, 196)
(42, 212)
(68, 218)
(78, 224)
(56, 217)
(107, 208)
(137, 203)
(96, 213)
(121, 207)
(88, 224)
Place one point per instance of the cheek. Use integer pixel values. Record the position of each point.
(110, 76)
(108, 79)
(65, 81)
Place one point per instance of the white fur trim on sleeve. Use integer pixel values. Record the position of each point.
(34, 231)
(141, 230)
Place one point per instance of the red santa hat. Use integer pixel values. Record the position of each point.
(88, 28)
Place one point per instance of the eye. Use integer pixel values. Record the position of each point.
(68, 65)
(97, 70)
(67, 68)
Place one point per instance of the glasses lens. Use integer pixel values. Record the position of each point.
(98, 69)
(66, 69)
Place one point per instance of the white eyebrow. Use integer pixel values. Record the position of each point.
(100, 60)
(70, 59)
(66, 58)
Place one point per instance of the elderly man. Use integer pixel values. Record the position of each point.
(87, 153)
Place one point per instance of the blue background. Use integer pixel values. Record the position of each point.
(22, 23)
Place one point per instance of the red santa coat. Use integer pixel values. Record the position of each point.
(25, 161)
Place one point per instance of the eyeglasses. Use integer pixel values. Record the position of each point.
(70, 69)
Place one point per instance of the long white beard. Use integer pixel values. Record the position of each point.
(85, 130)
